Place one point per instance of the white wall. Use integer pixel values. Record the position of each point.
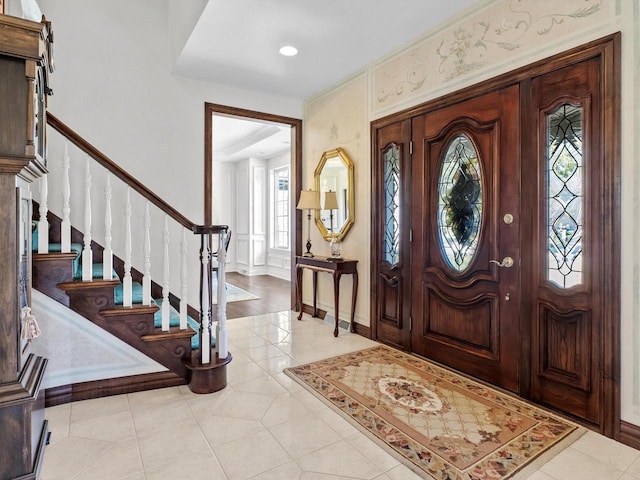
(113, 85)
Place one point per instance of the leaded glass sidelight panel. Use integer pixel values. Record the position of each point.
(391, 234)
(565, 180)
(460, 203)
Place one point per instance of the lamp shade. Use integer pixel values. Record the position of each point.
(309, 199)
(330, 200)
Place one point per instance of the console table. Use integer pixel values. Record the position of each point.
(336, 268)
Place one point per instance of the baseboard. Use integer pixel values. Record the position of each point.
(308, 309)
(363, 330)
(110, 386)
(360, 329)
(629, 434)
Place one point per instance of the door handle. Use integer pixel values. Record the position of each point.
(507, 262)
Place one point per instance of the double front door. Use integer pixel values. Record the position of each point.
(491, 231)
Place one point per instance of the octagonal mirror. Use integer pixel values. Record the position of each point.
(334, 180)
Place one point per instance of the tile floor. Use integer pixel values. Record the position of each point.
(263, 426)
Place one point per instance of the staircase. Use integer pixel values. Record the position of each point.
(73, 269)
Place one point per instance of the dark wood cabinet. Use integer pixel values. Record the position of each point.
(25, 64)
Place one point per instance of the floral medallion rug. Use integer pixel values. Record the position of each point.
(440, 424)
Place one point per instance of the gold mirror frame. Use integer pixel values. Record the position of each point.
(344, 188)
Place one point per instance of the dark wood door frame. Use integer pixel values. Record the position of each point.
(295, 176)
(607, 51)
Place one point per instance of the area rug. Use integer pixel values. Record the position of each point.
(439, 423)
(234, 294)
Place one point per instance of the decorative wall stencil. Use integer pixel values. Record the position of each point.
(476, 43)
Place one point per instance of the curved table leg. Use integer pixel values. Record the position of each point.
(299, 289)
(336, 299)
(354, 295)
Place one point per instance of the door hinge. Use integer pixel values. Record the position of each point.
(411, 235)
(411, 147)
(410, 323)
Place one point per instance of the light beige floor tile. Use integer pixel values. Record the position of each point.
(250, 456)
(59, 418)
(287, 382)
(606, 450)
(283, 409)
(159, 417)
(203, 466)
(262, 353)
(339, 458)
(402, 473)
(114, 428)
(275, 365)
(160, 396)
(337, 422)
(70, 456)
(384, 476)
(260, 385)
(244, 372)
(204, 405)
(248, 343)
(247, 405)
(238, 357)
(541, 476)
(303, 435)
(309, 400)
(163, 447)
(121, 461)
(373, 452)
(220, 430)
(98, 407)
(324, 476)
(634, 469)
(136, 476)
(288, 471)
(571, 463)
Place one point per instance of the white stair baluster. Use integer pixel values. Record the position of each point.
(165, 277)
(87, 254)
(65, 228)
(107, 254)
(43, 224)
(127, 284)
(205, 299)
(183, 281)
(146, 279)
(222, 344)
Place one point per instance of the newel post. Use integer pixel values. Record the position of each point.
(209, 372)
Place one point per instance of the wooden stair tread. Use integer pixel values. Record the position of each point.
(174, 332)
(95, 283)
(135, 309)
(39, 257)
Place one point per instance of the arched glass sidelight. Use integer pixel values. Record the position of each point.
(391, 242)
(459, 203)
(565, 195)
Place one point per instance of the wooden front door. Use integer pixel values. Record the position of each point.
(465, 277)
(496, 232)
(568, 253)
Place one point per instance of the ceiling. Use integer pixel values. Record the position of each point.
(236, 42)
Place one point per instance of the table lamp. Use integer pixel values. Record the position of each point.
(309, 200)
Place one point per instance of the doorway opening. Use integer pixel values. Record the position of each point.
(251, 173)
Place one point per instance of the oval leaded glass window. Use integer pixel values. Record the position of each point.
(564, 195)
(460, 203)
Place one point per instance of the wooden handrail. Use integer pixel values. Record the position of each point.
(116, 170)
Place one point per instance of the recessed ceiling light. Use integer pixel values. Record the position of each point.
(288, 51)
